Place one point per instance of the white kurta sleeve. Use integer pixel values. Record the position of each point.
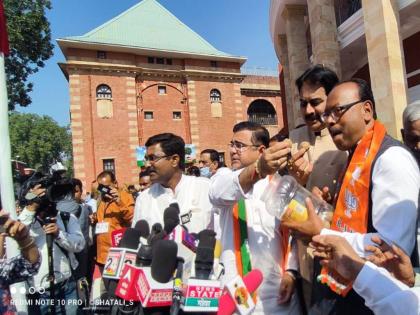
(225, 189)
(395, 190)
(385, 295)
(137, 211)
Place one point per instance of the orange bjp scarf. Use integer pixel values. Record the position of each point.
(352, 208)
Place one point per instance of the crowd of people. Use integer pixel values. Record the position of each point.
(341, 153)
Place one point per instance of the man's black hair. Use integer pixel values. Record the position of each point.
(214, 155)
(193, 171)
(365, 92)
(171, 144)
(318, 75)
(144, 173)
(107, 173)
(260, 135)
(76, 182)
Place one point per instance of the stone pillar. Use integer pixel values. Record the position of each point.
(288, 92)
(386, 63)
(325, 47)
(297, 51)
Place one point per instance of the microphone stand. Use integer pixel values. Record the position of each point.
(177, 290)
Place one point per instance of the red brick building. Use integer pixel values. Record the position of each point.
(145, 72)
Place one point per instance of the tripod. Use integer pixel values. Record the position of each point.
(51, 276)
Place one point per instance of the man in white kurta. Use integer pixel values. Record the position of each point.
(166, 154)
(227, 187)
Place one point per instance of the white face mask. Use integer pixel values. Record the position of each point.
(205, 172)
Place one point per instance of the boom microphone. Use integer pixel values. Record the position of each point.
(252, 281)
(164, 260)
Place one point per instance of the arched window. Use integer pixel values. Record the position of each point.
(215, 96)
(104, 101)
(103, 91)
(262, 112)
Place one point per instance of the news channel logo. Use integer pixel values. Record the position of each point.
(30, 290)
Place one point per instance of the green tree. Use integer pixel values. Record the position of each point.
(38, 140)
(30, 45)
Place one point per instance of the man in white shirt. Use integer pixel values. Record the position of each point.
(382, 293)
(379, 191)
(251, 163)
(166, 156)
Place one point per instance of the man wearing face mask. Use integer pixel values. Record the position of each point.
(209, 162)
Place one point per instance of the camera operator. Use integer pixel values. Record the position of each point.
(43, 219)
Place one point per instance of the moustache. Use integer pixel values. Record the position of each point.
(313, 116)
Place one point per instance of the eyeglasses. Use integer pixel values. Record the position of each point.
(239, 146)
(154, 158)
(313, 102)
(337, 112)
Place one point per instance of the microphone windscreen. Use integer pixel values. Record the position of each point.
(130, 239)
(207, 238)
(175, 205)
(144, 256)
(252, 281)
(170, 218)
(164, 260)
(143, 227)
(156, 228)
(204, 259)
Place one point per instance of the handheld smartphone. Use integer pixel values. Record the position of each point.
(104, 190)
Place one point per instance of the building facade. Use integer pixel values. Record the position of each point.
(374, 40)
(145, 72)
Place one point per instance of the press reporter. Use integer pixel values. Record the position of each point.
(66, 242)
(115, 211)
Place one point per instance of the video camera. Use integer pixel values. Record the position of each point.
(56, 189)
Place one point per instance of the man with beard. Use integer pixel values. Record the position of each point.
(166, 157)
(379, 191)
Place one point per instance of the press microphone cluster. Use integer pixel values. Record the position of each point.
(173, 268)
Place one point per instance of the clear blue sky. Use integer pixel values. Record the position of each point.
(238, 27)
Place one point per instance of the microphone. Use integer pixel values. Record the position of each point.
(252, 281)
(171, 217)
(144, 256)
(164, 260)
(177, 289)
(143, 227)
(204, 258)
(156, 234)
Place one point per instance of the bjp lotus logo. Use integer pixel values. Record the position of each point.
(241, 296)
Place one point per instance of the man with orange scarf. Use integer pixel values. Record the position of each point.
(250, 236)
(379, 190)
